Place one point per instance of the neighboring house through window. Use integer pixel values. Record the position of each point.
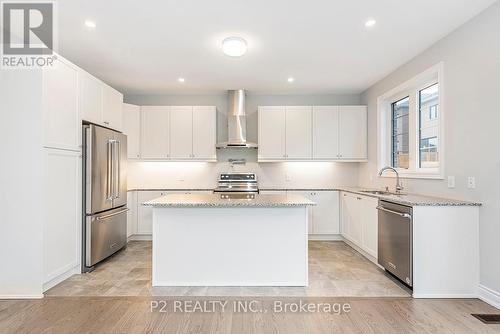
(410, 126)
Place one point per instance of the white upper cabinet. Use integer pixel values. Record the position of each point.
(90, 98)
(272, 133)
(325, 132)
(99, 103)
(181, 132)
(353, 133)
(60, 102)
(178, 133)
(204, 133)
(155, 132)
(313, 133)
(132, 128)
(112, 107)
(298, 131)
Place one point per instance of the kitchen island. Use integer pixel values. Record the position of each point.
(230, 240)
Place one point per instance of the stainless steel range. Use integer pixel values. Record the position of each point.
(237, 183)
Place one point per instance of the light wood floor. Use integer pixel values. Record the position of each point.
(335, 270)
(134, 315)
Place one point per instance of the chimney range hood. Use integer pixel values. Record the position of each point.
(236, 122)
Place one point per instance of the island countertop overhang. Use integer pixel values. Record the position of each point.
(216, 200)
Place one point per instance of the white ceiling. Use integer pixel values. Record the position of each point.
(143, 47)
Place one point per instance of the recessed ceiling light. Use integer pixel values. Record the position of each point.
(234, 46)
(181, 79)
(90, 24)
(291, 79)
(370, 23)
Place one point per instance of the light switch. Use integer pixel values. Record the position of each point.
(451, 182)
(471, 182)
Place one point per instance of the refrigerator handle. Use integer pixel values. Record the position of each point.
(117, 168)
(109, 170)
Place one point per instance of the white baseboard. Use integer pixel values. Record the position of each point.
(489, 296)
(325, 237)
(444, 296)
(21, 297)
(362, 252)
(140, 237)
(61, 277)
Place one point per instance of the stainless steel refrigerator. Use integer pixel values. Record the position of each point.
(104, 194)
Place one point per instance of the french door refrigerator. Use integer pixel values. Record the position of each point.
(105, 194)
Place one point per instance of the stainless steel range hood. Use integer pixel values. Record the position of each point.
(236, 122)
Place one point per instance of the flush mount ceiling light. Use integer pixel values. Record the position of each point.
(90, 24)
(370, 23)
(181, 80)
(290, 79)
(234, 46)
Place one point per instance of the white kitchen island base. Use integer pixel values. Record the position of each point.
(230, 246)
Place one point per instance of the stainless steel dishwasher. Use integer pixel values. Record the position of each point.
(395, 235)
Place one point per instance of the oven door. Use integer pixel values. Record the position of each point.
(395, 234)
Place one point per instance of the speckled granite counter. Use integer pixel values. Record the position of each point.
(405, 199)
(219, 200)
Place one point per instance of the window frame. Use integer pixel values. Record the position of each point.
(412, 89)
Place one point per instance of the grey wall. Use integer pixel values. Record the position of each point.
(471, 58)
(253, 101)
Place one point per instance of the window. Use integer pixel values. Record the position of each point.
(433, 111)
(410, 126)
(429, 127)
(400, 133)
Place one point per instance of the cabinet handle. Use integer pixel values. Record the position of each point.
(107, 123)
(359, 198)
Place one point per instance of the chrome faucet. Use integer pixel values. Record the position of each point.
(399, 187)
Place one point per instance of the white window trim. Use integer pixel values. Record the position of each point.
(384, 117)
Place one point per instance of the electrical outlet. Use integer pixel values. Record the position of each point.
(471, 182)
(451, 182)
(288, 177)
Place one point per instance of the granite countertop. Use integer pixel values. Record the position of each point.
(218, 200)
(405, 199)
(413, 199)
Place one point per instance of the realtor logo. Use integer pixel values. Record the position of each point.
(28, 38)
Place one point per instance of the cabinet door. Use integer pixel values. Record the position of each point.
(351, 218)
(310, 211)
(370, 226)
(326, 213)
(132, 213)
(62, 215)
(155, 136)
(132, 128)
(325, 133)
(90, 98)
(298, 133)
(272, 133)
(145, 213)
(181, 133)
(112, 107)
(204, 133)
(60, 101)
(353, 132)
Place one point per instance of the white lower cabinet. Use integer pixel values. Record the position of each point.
(144, 214)
(132, 213)
(62, 221)
(360, 221)
(324, 216)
